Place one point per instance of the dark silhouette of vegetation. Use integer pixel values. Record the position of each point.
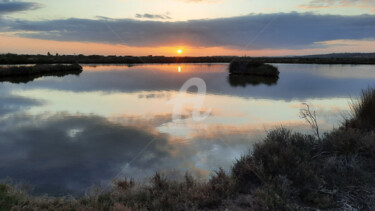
(363, 115)
(7, 199)
(98, 59)
(24, 74)
(311, 119)
(246, 67)
(286, 171)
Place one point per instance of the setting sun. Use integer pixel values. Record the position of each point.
(179, 51)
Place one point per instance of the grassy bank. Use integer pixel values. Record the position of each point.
(286, 171)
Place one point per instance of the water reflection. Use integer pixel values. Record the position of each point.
(61, 153)
(243, 80)
(69, 153)
(10, 103)
(297, 82)
(62, 135)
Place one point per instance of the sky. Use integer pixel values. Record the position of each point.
(196, 27)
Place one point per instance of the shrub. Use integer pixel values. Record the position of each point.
(363, 114)
(125, 184)
(7, 200)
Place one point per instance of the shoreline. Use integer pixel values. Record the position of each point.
(27, 73)
(9, 59)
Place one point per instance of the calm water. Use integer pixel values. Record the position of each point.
(65, 134)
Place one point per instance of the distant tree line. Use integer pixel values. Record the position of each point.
(99, 59)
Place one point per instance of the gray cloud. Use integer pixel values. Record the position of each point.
(63, 152)
(10, 6)
(262, 31)
(10, 103)
(152, 16)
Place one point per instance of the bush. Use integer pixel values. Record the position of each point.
(363, 114)
(7, 200)
(125, 184)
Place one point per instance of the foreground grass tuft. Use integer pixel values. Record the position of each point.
(7, 199)
(363, 111)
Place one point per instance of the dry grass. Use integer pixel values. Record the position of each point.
(363, 113)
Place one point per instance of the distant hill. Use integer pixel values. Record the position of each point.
(341, 55)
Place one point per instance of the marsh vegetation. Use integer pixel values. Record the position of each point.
(24, 74)
(251, 68)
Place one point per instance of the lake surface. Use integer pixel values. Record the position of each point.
(65, 134)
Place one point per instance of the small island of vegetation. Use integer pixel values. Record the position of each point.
(38, 69)
(246, 67)
(24, 74)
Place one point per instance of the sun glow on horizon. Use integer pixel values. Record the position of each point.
(19, 45)
(179, 51)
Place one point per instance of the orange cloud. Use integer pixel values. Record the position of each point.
(325, 4)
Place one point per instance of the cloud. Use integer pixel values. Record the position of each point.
(152, 16)
(11, 6)
(71, 153)
(66, 154)
(10, 103)
(261, 31)
(324, 4)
